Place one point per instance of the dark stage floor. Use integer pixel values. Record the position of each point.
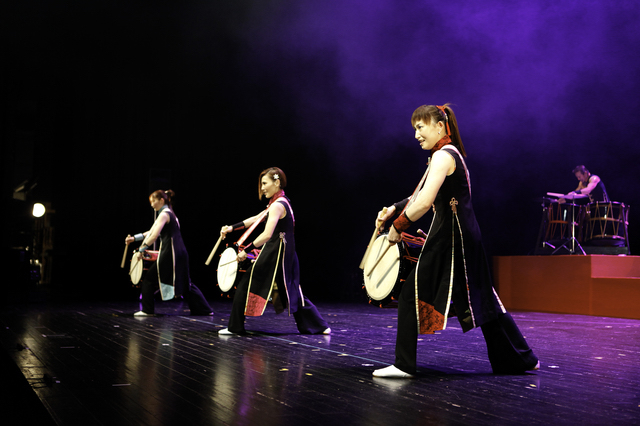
(95, 364)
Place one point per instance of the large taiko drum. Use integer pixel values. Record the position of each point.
(227, 269)
(384, 276)
(230, 270)
(137, 266)
(561, 221)
(605, 224)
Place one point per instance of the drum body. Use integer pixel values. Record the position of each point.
(559, 220)
(138, 266)
(605, 224)
(384, 276)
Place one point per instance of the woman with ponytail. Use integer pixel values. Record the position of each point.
(170, 273)
(452, 275)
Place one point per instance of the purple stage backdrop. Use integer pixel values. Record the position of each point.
(101, 97)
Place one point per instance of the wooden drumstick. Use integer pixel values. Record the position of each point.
(421, 232)
(213, 251)
(366, 253)
(379, 259)
(227, 263)
(136, 259)
(373, 239)
(124, 255)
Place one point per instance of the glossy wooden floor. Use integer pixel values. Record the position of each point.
(95, 364)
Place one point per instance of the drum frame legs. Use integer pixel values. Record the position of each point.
(573, 240)
(548, 226)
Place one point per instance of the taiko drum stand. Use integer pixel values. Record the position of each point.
(574, 242)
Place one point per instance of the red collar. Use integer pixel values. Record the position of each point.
(446, 140)
(277, 195)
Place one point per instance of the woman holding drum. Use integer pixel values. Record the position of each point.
(452, 275)
(171, 271)
(275, 274)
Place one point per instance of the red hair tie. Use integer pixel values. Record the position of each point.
(446, 118)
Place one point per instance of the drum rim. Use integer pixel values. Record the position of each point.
(606, 202)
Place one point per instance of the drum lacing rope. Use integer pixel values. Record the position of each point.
(410, 239)
(413, 241)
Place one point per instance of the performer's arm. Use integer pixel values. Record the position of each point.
(442, 164)
(392, 210)
(226, 229)
(593, 182)
(152, 235)
(276, 212)
(137, 237)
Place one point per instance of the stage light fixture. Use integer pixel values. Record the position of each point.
(39, 210)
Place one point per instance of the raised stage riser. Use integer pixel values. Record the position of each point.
(584, 285)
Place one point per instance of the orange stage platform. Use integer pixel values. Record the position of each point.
(598, 285)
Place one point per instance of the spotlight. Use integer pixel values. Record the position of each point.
(38, 210)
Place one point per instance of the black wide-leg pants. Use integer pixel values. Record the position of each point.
(508, 350)
(308, 319)
(198, 305)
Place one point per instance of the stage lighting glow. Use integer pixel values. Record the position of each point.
(38, 210)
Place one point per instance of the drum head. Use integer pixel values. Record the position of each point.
(227, 273)
(381, 281)
(136, 268)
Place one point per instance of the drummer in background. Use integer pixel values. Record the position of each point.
(590, 185)
(171, 271)
(451, 277)
(275, 274)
